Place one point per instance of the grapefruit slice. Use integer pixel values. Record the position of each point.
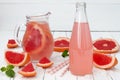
(61, 44)
(28, 70)
(33, 38)
(12, 43)
(17, 59)
(105, 45)
(44, 63)
(104, 61)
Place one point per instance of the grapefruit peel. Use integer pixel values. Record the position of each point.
(27, 74)
(46, 65)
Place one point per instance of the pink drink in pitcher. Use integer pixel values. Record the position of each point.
(37, 40)
(81, 48)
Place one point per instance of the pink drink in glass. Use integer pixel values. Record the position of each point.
(81, 50)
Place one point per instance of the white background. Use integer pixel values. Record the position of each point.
(102, 14)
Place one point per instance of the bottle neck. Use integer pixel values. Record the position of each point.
(80, 15)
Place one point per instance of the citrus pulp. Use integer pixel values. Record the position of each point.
(61, 44)
(16, 58)
(105, 45)
(104, 61)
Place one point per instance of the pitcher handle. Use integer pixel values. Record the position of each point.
(17, 34)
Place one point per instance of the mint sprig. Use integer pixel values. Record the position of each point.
(8, 70)
(65, 53)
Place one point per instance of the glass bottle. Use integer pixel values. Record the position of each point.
(81, 48)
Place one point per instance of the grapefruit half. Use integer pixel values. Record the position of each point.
(12, 43)
(105, 45)
(103, 61)
(61, 44)
(28, 70)
(44, 63)
(17, 59)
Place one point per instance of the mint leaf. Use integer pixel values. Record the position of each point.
(9, 67)
(3, 69)
(8, 70)
(10, 73)
(65, 53)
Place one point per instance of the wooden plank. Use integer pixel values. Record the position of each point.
(3, 76)
(99, 74)
(57, 59)
(114, 74)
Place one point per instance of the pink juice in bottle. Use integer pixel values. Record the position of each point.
(81, 48)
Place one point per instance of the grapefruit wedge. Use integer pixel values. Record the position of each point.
(28, 70)
(105, 45)
(61, 44)
(12, 43)
(17, 59)
(104, 61)
(44, 63)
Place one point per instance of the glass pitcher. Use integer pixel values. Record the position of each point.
(37, 40)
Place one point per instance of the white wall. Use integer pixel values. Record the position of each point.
(102, 14)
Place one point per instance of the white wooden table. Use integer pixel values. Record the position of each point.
(98, 74)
